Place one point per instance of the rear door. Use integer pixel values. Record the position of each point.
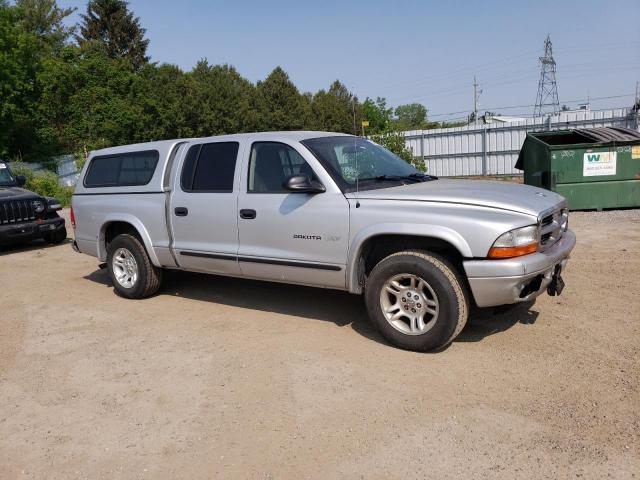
(286, 236)
(203, 209)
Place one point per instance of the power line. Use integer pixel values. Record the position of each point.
(593, 99)
(524, 57)
(574, 71)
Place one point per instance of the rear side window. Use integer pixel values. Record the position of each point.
(123, 169)
(210, 167)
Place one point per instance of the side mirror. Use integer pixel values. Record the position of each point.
(303, 184)
(21, 180)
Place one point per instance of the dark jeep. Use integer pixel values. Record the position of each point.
(25, 215)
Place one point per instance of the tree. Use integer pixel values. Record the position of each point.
(45, 20)
(280, 105)
(219, 101)
(167, 94)
(411, 116)
(110, 23)
(90, 100)
(378, 115)
(18, 69)
(334, 110)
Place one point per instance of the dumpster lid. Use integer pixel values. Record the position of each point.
(602, 136)
(610, 134)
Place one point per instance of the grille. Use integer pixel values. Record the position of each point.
(552, 226)
(16, 211)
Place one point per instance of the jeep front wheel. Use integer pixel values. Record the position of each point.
(131, 271)
(416, 300)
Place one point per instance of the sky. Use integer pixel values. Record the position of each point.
(410, 51)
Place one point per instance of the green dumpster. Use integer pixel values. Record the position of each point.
(592, 168)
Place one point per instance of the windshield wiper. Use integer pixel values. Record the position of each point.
(414, 177)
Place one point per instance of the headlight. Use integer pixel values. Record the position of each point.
(516, 243)
(38, 206)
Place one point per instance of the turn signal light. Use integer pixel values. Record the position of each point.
(515, 243)
(510, 252)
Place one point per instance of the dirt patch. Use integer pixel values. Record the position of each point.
(225, 378)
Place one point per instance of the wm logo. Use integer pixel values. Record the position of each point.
(593, 158)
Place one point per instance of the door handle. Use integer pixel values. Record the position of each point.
(247, 213)
(181, 211)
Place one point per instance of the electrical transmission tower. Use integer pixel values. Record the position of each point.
(547, 100)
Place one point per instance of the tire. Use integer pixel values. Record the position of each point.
(440, 302)
(57, 236)
(131, 258)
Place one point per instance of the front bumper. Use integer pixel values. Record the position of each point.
(502, 282)
(22, 232)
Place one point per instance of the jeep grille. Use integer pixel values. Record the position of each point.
(16, 211)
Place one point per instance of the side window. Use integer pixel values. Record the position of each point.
(271, 163)
(210, 167)
(123, 169)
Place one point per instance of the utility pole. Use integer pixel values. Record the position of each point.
(636, 108)
(476, 95)
(547, 99)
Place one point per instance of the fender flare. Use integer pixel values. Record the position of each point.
(137, 224)
(415, 230)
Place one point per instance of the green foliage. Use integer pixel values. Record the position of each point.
(112, 25)
(217, 100)
(279, 103)
(59, 98)
(412, 116)
(334, 110)
(18, 67)
(90, 101)
(44, 183)
(378, 115)
(45, 20)
(394, 142)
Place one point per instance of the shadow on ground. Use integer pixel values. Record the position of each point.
(340, 308)
(489, 321)
(29, 246)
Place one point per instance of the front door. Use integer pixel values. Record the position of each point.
(203, 208)
(285, 236)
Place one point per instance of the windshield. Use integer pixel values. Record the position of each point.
(355, 160)
(6, 179)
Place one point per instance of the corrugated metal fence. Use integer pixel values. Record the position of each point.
(492, 149)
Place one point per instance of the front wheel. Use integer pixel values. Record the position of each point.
(57, 236)
(416, 300)
(131, 271)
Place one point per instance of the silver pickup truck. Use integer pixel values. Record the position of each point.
(325, 210)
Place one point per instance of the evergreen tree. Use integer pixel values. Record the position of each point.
(280, 105)
(334, 110)
(112, 24)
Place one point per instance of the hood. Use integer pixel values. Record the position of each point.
(502, 195)
(16, 193)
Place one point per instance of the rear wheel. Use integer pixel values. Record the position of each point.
(131, 271)
(416, 300)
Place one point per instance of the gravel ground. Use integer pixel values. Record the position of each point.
(226, 378)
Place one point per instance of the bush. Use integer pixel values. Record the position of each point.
(394, 142)
(44, 183)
